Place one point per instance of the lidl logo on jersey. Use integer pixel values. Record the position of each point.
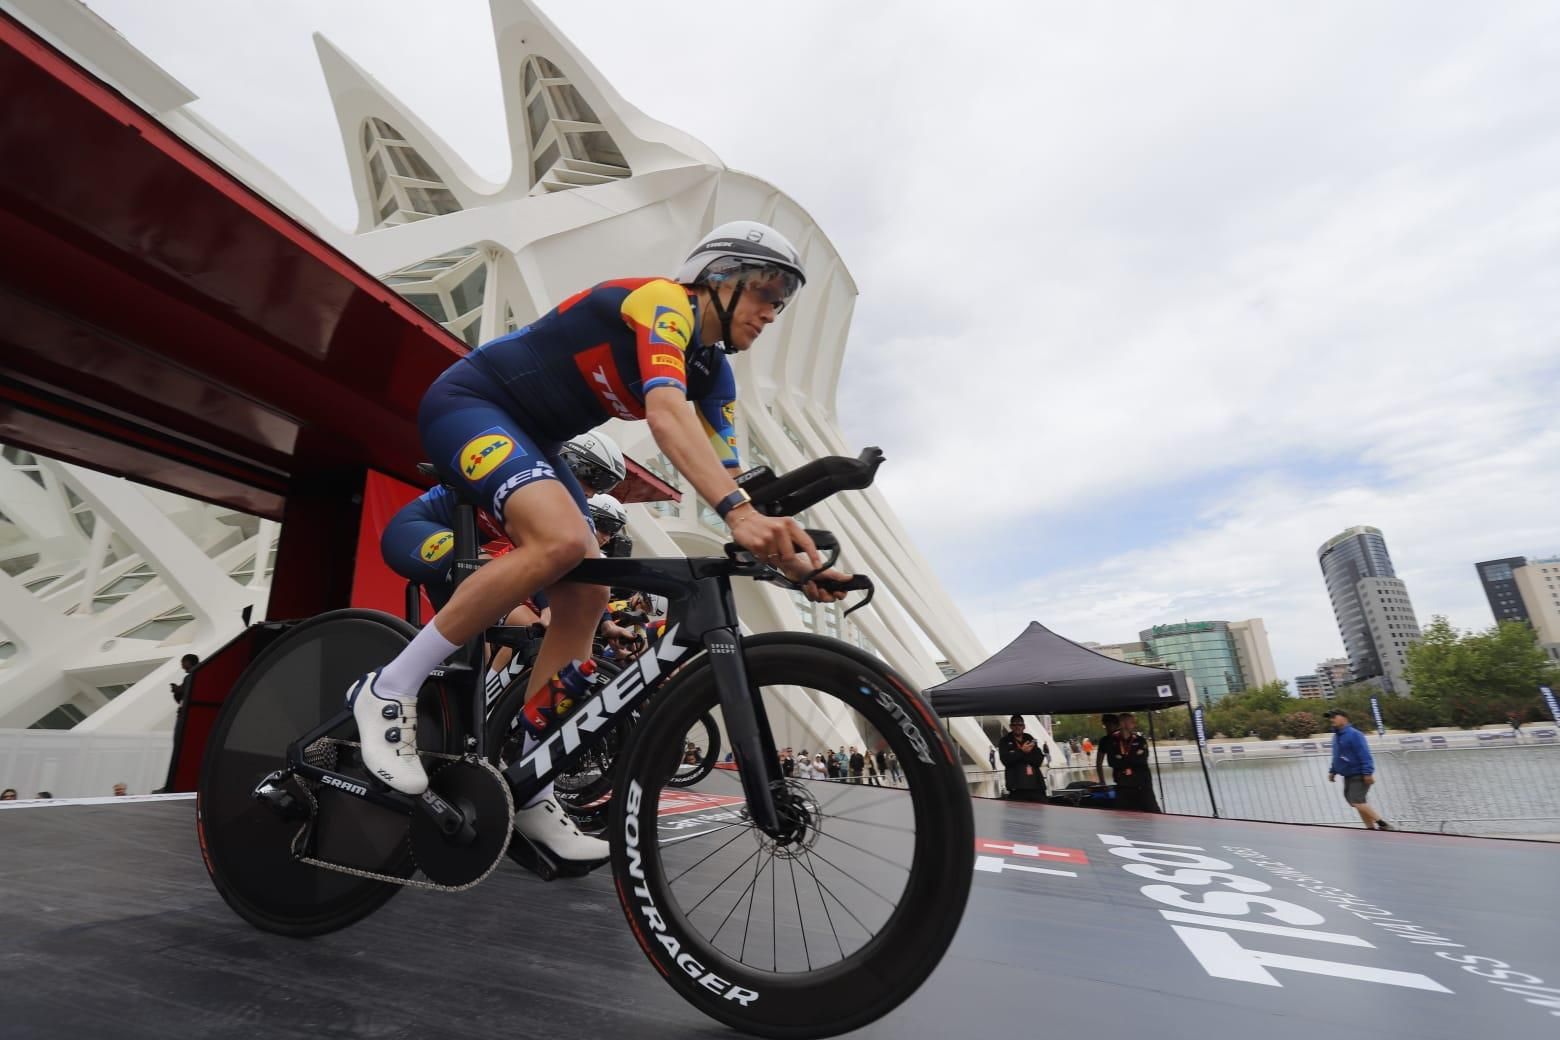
(436, 546)
(728, 412)
(482, 455)
(669, 327)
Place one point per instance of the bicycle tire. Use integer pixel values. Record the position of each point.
(885, 966)
(296, 683)
(684, 776)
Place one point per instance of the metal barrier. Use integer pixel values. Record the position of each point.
(1492, 789)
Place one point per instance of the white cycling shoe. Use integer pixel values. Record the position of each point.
(552, 828)
(387, 728)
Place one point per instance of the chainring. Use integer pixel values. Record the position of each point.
(479, 791)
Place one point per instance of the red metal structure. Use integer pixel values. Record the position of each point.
(162, 321)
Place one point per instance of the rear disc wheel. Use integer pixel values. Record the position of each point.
(299, 682)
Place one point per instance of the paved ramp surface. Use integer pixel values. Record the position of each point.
(1078, 925)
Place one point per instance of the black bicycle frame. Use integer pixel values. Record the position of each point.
(703, 617)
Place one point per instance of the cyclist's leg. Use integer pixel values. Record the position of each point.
(478, 447)
(418, 545)
(576, 609)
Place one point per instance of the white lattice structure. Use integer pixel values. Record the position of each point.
(597, 190)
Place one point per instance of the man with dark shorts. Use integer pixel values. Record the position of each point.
(1351, 759)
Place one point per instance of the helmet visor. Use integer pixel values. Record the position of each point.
(596, 478)
(770, 283)
(606, 523)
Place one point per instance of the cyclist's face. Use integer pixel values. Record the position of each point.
(759, 304)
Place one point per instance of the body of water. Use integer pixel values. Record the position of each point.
(1510, 791)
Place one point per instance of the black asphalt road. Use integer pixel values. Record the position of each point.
(111, 928)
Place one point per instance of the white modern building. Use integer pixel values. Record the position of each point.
(105, 584)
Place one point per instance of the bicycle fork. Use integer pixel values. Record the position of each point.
(747, 725)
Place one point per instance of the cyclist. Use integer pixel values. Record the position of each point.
(493, 423)
(418, 541)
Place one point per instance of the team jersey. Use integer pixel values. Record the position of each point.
(597, 354)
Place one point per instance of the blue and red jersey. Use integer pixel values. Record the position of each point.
(597, 354)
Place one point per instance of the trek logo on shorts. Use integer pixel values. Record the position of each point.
(483, 454)
(436, 546)
(670, 328)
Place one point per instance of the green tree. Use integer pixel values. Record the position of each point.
(1476, 678)
(1410, 713)
(1266, 724)
(1301, 724)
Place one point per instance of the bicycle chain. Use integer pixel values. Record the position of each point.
(314, 808)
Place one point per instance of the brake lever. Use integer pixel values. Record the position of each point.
(855, 583)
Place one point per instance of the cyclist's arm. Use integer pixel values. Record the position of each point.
(1099, 762)
(718, 412)
(680, 435)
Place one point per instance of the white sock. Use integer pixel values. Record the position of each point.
(404, 676)
(528, 745)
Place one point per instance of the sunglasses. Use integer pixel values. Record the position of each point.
(772, 295)
(599, 479)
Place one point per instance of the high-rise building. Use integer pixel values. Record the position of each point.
(1334, 672)
(1500, 587)
(1254, 653)
(1220, 657)
(1538, 584)
(1389, 617)
(1375, 617)
(1311, 686)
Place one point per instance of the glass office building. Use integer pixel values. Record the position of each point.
(1204, 650)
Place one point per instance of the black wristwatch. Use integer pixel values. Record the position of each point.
(732, 501)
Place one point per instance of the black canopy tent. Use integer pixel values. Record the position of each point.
(1042, 673)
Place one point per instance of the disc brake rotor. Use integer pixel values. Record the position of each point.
(801, 820)
(478, 790)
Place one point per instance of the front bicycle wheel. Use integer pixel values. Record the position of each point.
(700, 753)
(296, 684)
(833, 923)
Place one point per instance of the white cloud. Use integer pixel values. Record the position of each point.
(1287, 268)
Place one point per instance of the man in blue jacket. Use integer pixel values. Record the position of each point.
(1351, 759)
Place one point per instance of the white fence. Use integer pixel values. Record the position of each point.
(82, 765)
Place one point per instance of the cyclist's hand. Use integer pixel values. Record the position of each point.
(772, 539)
(796, 568)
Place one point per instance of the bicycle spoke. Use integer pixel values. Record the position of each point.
(722, 881)
(847, 874)
(753, 898)
(896, 864)
(823, 902)
(801, 923)
(843, 905)
(734, 837)
(867, 823)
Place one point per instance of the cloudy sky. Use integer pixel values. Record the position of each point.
(1190, 287)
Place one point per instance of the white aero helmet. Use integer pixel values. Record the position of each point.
(743, 252)
(607, 513)
(596, 461)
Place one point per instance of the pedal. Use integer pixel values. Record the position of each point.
(272, 792)
(544, 864)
